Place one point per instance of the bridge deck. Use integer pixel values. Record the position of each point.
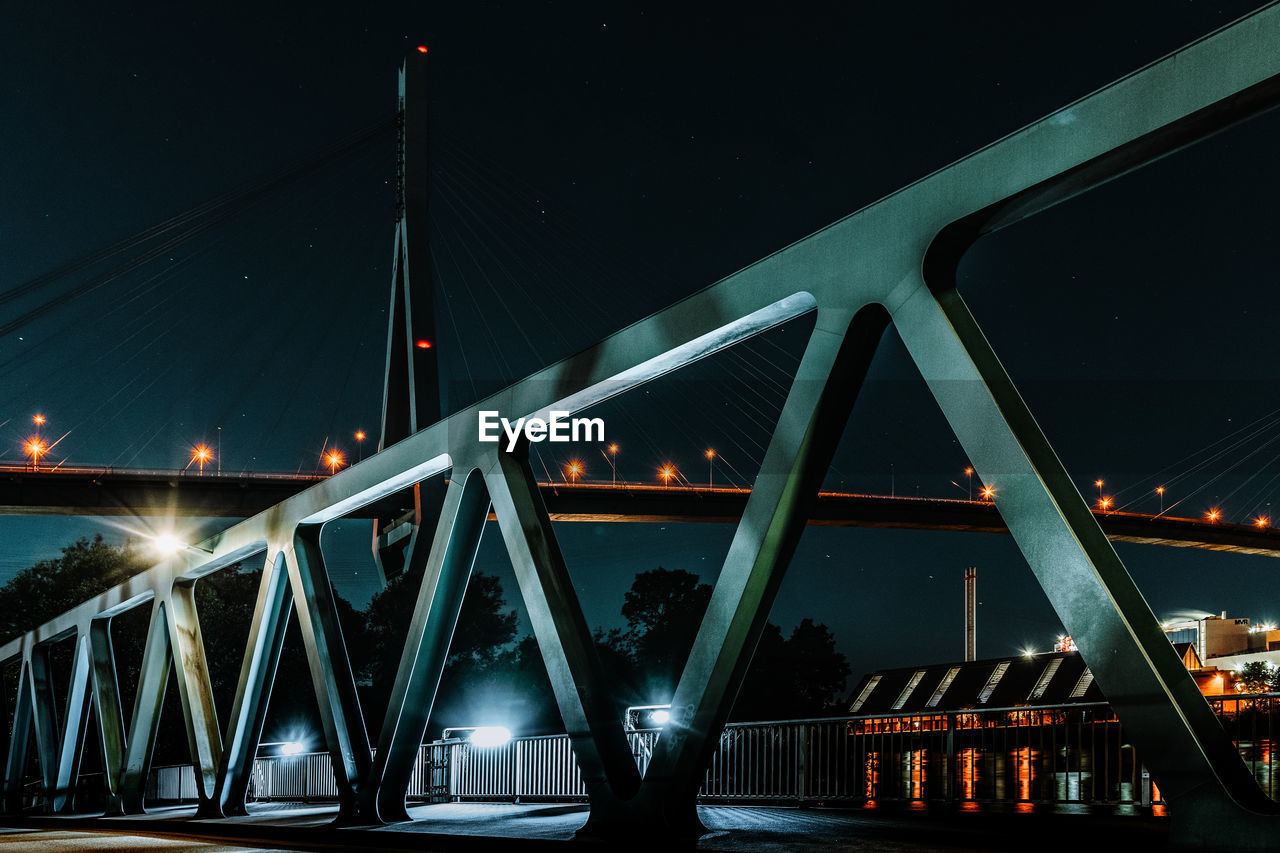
(453, 826)
(107, 491)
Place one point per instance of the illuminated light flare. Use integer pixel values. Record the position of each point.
(1213, 514)
(334, 460)
(35, 448)
(423, 343)
(667, 472)
(422, 48)
(1262, 521)
(988, 493)
(573, 470)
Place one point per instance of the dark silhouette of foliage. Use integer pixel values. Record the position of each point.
(52, 587)
(1256, 676)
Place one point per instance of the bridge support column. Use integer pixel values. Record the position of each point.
(444, 585)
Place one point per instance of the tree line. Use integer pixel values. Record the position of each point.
(494, 675)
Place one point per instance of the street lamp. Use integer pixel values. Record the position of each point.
(334, 460)
(359, 445)
(573, 470)
(613, 463)
(1104, 504)
(968, 472)
(988, 493)
(200, 454)
(1160, 492)
(1213, 515)
(1098, 483)
(711, 464)
(38, 420)
(34, 448)
(666, 472)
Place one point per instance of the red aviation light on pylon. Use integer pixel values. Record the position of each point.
(422, 48)
(423, 343)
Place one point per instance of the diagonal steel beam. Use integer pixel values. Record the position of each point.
(1176, 732)
(253, 689)
(144, 725)
(331, 673)
(195, 692)
(426, 649)
(568, 649)
(813, 418)
(19, 743)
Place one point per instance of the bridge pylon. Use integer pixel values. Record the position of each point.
(411, 389)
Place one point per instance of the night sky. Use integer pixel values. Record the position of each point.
(594, 163)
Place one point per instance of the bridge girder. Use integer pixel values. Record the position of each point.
(890, 263)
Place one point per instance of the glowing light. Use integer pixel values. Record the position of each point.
(1262, 521)
(423, 344)
(988, 492)
(968, 472)
(661, 717)
(573, 470)
(334, 460)
(291, 748)
(1028, 653)
(359, 435)
(35, 448)
(1098, 483)
(1159, 490)
(490, 736)
(710, 454)
(1213, 514)
(200, 454)
(38, 420)
(667, 472)
(422, 48)
(1104, 503)
(613, 448)
(166, 543)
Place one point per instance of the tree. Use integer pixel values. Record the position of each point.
(799, 676)
(664, 610)
(803, 676)
(1255, 676)
(485, 632)
(52, 587)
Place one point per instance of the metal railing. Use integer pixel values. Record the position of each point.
(1062, 754)
(1054, 754)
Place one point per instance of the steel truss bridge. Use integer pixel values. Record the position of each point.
(892, 262)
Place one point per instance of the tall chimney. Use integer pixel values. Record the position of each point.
(971, 613)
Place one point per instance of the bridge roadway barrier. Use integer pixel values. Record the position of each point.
(1073, 754)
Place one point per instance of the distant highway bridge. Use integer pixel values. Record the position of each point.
(129, 492)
